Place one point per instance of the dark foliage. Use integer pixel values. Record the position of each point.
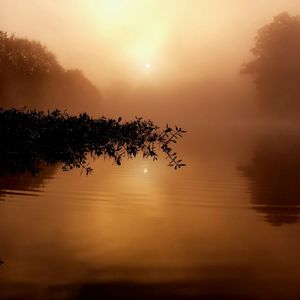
(276, 65)
(31, 137)
(31, 76)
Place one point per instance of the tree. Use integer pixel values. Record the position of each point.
(276, 65)
(23, 57)
(31, 76)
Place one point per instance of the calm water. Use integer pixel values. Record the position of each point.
(225, 227)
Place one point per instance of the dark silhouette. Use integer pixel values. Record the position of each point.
(274, 176)
(31, 76)
(276, 66)
(30, 138)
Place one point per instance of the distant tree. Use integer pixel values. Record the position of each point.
(276, 65)
(23, 57)
(31, 75)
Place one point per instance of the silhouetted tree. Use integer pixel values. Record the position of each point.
(31, 76)
(276, 65)
(21, 56)
(29, 138)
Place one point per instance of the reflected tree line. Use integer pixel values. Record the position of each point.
(274, 178)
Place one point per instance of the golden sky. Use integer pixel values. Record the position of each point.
(144, 40)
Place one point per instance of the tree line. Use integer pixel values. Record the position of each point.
(275, 66)
(30, 75)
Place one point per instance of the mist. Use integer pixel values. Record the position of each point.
(181, 180)
(193, 52)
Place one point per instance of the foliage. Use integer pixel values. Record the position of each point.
(276, 64)
(25, 57)
(31, 75)
(31, 137)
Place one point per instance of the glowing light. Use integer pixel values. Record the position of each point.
(146, 48)
(145, 170)
(112, 10)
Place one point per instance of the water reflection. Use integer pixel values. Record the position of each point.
(25, 184)
(123, 233)
(208, 290)
(274, 175)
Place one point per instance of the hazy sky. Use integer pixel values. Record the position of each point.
(144, 40)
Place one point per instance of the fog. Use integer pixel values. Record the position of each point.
(176, 61)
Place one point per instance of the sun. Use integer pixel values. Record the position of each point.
(147, 66)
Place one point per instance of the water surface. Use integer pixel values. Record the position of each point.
(225, 227)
